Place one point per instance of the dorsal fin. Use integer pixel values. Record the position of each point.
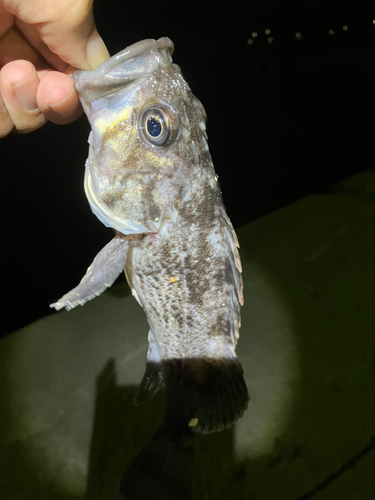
(234, 275)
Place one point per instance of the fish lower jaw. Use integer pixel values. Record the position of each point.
(108, 217)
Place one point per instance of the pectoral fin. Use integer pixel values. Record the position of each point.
(102, 273)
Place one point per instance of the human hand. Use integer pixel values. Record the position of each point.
(41, 44)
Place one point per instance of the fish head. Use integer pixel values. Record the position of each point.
(147, 136)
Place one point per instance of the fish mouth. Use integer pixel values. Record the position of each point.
(135, 61)
(137, 49)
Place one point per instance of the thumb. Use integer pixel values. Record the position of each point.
(66, 28)
(75, 39)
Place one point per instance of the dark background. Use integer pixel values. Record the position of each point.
(286, 117)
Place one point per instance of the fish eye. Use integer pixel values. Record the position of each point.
(155, 126)
(158, 124)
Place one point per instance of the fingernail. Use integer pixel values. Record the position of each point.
(54, 106)
(26, 93)
(96, 51)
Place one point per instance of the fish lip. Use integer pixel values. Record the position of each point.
(134, 50)
(109, 77)
(137, 49)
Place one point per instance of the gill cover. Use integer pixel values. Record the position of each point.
(126, 132)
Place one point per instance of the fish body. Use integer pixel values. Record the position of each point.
(149, 176)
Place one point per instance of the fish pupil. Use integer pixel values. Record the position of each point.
(154, 127)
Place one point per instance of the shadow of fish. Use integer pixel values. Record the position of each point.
(150, 177)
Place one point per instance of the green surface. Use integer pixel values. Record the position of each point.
(68, 424)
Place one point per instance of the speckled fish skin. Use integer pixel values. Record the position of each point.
(165, 204)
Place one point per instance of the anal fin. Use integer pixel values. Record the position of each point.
(152, 380)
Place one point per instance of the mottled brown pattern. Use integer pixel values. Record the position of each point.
(185, 271)
(196, 305)
(173, 236)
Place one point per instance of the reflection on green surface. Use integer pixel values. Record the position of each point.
(69, 427)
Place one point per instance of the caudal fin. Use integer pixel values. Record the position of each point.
(163, 469)
(203, 395)
(209, 394)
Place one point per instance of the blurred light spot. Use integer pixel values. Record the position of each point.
(250, 41)
(331, 32)
(254, 34)
(345, 28)
(298, 35)
(271, 366)
(267, 32)
(270, 39)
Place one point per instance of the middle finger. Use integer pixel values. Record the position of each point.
(18, 87)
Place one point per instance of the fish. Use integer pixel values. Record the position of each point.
(150, 177)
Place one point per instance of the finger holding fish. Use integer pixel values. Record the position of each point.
(31, 97)
(19, 86)
(54, 38)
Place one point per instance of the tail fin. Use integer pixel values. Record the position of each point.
(203, 395)
(208, 394)
(163, 469)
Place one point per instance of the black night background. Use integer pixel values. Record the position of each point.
(289, 92)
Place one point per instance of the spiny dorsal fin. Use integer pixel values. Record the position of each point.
(234, 276)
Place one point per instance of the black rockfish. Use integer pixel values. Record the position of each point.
(150, 177)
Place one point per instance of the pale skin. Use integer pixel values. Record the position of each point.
(41, 43)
